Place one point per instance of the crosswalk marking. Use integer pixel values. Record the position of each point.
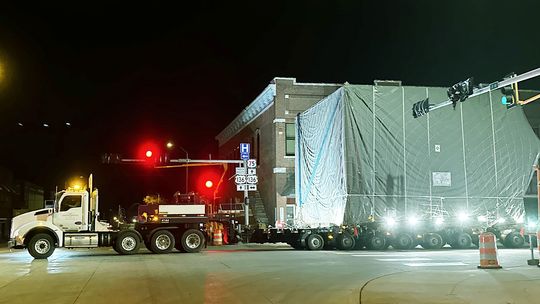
(435, 264)
(404, 259)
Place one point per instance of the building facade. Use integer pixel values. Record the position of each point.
(267, 123)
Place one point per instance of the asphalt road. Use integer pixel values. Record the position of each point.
(267, 274)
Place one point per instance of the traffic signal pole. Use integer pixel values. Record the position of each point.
(491, 87)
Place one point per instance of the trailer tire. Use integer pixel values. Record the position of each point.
(462, 241)
(315, 242)
(345, 241)
(193, 240)
(41, 246)
(127, 242)
(403, 241)
(377, 242)
(162, 241)
(514, 240)
(432, 241)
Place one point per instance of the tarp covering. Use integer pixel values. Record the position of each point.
(361, 154)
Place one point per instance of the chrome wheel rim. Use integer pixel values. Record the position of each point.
(42, 246)
(163, 242)
(129, 243)
(193, 240)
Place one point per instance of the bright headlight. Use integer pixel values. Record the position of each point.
(463, 217)
(390, 222)
(412, 220)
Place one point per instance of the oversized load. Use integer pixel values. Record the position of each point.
(360, 156)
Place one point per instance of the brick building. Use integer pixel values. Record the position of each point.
(267, 123)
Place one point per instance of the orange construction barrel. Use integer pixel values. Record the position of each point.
(488, 251)
(217, 239)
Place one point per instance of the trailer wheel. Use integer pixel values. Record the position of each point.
(377, 242)
(315, 242)
(514, 240)
(403, 241)
(127, 242)
(345, 241)
(162, 241)
(41, 246)
(193, 240)
(432, 241)
(462, 241)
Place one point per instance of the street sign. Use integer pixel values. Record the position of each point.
(240, 179)
(252, 179)
(251, 171)
(244, 151)
(252, 163)
(241, 187)
(241, 171)
(252, 187)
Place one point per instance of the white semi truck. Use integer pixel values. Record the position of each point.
(74, 222)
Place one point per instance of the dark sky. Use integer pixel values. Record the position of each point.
(122, 74)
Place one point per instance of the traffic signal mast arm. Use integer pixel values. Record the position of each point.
(418, 110)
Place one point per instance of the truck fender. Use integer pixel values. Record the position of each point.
(41, 229)
(303, 237)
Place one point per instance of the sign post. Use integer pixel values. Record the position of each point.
(244, 155)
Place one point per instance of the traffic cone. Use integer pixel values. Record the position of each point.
(488, 251)
(217, 239)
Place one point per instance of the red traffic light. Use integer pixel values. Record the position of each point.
(149, 153)
(209, 184)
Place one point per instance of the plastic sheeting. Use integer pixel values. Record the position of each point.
(361, 154)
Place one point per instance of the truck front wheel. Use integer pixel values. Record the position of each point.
(127, 242)
(162, 242)
(41, 246)
(193, 240)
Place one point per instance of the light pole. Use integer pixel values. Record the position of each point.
(170, 145)
(187, 168)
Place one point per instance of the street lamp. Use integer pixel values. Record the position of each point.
(170, 145)
(187, 168)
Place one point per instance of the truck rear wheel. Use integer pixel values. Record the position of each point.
(462, 241)
(403, 241)
(315, 242)
(162, 241)
(514, 240)
(41, 246)
(193, 240)
(345, 241)
(127, 242)
(377, 242)
(432, 241)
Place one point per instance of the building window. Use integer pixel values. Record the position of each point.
(290, 135)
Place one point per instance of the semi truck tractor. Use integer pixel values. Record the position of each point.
(369, 175)
(74, 222)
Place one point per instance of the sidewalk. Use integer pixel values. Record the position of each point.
(508, 285)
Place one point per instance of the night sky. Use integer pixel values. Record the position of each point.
(123, 74)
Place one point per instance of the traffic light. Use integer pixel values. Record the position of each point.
(420, 108)
(460, 91)
(510, 96)
(209, 184)
(148, 152)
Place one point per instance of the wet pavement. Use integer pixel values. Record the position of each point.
(267, 274)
